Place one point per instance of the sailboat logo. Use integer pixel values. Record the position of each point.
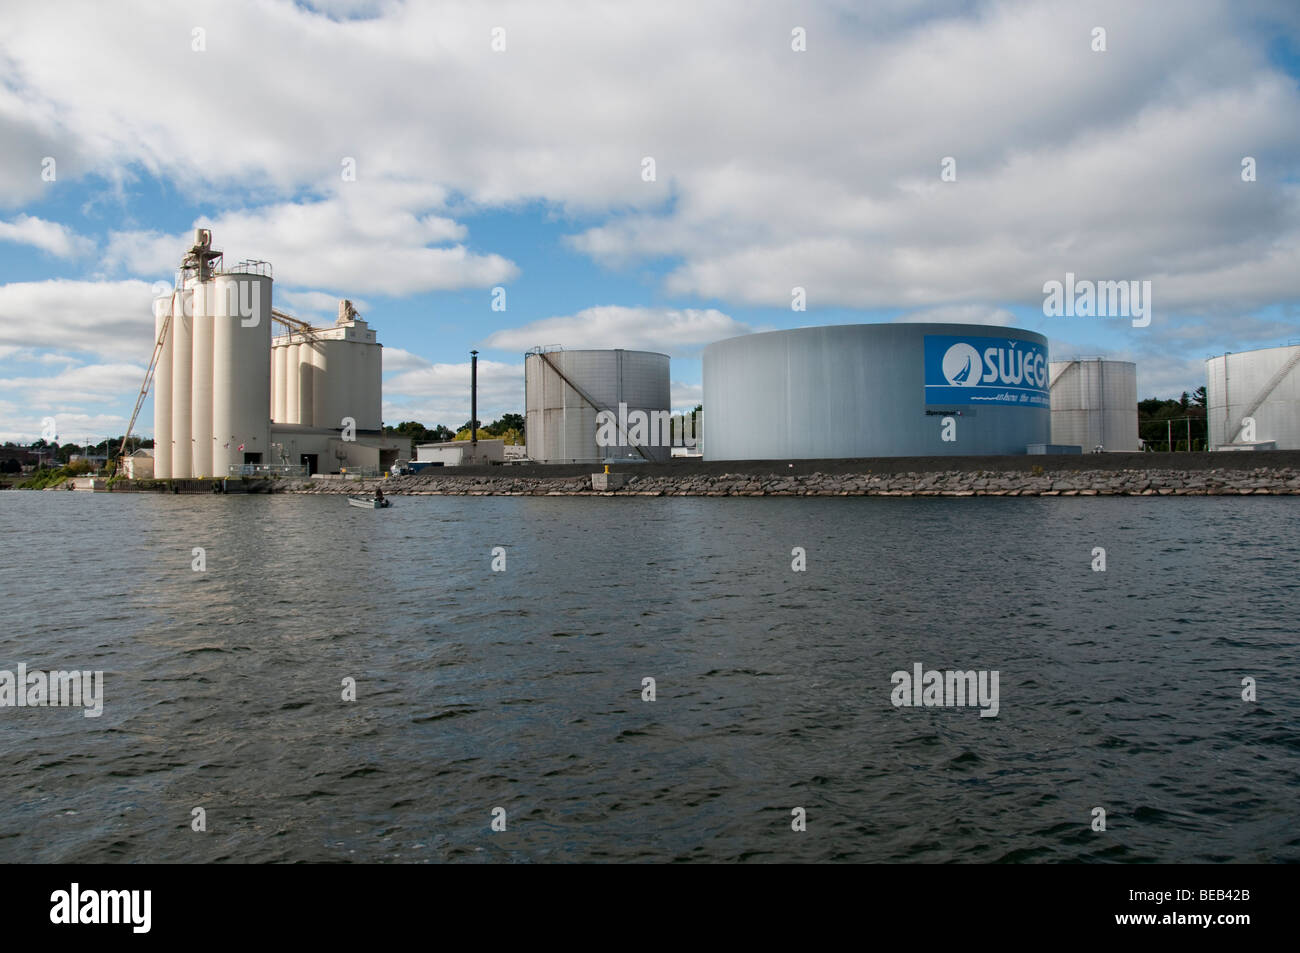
(962, 365)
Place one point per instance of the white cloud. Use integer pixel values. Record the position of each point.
(440, 393)
(365, 237)
(670, 330)
(396, 359)
(51, 237)
(74, 386)
(318, 305)
(962, 314)
(108, 319)
(686, 397)
(775, 168)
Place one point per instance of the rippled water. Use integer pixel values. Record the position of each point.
(522, 689)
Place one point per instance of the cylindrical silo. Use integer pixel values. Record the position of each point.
(279, 382)
(162, 391)
(1094, 404)
(182, 382)
(201, 382)
(1253, 397)
(321, 382)
(370, 388)
(241, 371)
(566, 393)
(292, 384)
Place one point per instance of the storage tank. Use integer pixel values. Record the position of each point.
(241, 370)
(1264, 385)
(182, 382)
(318, 374)
(292, 383)
(279, 381)
(162, 391)
(201, 389)
(564, 391)
(1094, 404)
(868, 390)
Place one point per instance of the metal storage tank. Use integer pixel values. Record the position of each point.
(182, 335)
(241, 370)
(162, 393)
(201, 389)
(1263, 384)
(565, 390)
(1094, 404)
(868, 390)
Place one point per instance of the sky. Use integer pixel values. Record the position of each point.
(897, 161)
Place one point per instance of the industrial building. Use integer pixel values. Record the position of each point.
(222, 404)
(1094, 404)
(570, 397)
(869, 390)
(1253, 399)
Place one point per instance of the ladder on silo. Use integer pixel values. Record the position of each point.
(144, 388)
(1268, 388)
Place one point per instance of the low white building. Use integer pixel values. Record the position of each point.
(461, 453)
(323, 450)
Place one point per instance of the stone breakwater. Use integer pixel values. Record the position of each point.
(1145, 482)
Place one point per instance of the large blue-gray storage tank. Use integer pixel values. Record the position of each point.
(875, 390)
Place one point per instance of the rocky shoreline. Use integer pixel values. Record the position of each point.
(1083, 482)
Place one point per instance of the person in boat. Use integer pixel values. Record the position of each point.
(379, 494)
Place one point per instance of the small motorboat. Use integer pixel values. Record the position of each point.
(369, 502)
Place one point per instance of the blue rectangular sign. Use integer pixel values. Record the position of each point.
(995, 371)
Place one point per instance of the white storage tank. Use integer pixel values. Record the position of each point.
(279, 381)
(1263, 385)
(875, 390)
(162, 390)
(182, 335)
(201, 383)
(241, 370)
(1094, 404)
(564, 391)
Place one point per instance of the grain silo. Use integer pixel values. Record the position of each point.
(162, 405)
(875, 390)
(182, 335)
(1253, 398)
(566, 392)
(1094, 404)
(241, 367)
(212, 380)
(229, 403)
(321, 376)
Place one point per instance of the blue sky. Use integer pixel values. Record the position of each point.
(522, 167)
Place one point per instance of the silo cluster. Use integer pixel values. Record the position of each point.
(212, 384)
(321, 377)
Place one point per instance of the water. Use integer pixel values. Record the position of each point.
(522, 689)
